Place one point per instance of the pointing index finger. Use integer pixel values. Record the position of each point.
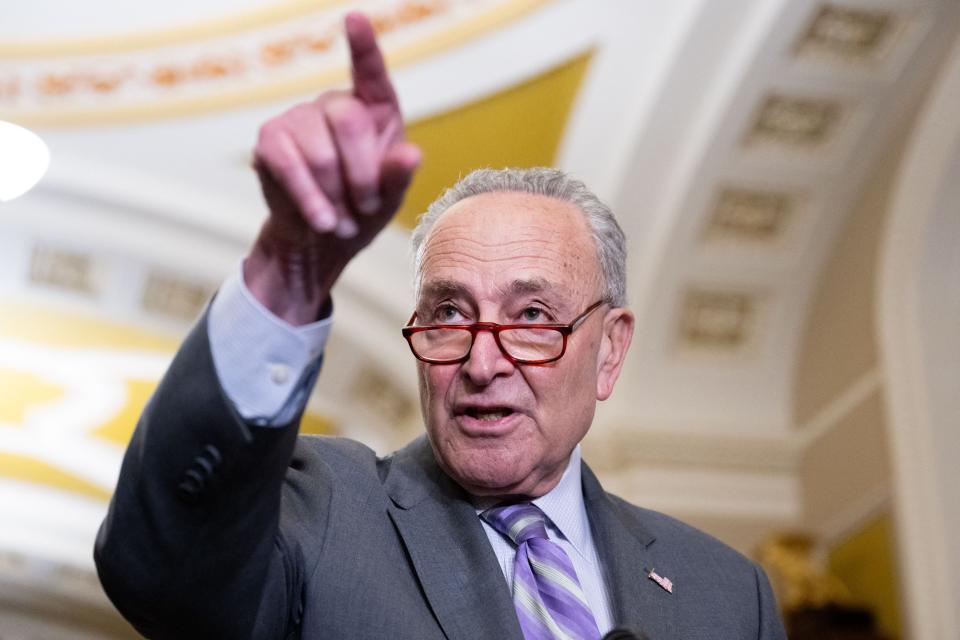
(371, 82)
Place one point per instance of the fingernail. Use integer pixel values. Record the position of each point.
(370, 205)
(322, 219)
(346, 228)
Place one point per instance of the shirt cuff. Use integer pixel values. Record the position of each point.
(265, 365)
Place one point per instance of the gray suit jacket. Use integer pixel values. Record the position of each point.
(221, 529)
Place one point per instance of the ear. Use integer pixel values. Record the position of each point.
(616, 338)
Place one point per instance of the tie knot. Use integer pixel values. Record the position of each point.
(519, 522)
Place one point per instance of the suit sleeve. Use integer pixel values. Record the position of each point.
(264, 364)
(190, 546)
(771, 624)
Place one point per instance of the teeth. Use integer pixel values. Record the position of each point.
(490, 415)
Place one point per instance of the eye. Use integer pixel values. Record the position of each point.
(533, 314)
(447, 313)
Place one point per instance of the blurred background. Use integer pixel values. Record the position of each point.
(787, 173)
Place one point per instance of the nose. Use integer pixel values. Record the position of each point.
(486, 360)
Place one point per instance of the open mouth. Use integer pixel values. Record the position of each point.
(488, 414)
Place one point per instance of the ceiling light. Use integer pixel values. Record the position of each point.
(24, 159)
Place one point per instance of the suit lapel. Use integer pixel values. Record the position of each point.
(451, 555)
(627, 551)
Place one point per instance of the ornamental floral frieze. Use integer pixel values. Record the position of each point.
(155, 75)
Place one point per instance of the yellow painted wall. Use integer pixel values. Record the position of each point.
(866, 564)
(519, 127)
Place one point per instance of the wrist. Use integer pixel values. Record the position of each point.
(293, 283)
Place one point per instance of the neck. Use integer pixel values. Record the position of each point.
(486, 500)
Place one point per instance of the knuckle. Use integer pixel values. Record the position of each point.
(269, 131)
(324, 160)
(363, 179)
(282, 163)
(327, 97)
(349, 117)
(274, 159)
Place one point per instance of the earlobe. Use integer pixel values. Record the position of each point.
(616, 338)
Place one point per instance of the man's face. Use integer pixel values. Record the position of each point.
(498, 428)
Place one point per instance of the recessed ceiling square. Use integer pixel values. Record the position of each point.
(795, 121)
(851, 33)
(750, 214)
(175, 297)
(715, 319)
(62, 269)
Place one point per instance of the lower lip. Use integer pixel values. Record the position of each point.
(488, 428)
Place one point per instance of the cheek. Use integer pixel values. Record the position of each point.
(435, 381)
(569, 396)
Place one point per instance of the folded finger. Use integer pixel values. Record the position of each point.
(355, 136)
(278, 154)
(311, 133)
(396, 172)
(324, 163)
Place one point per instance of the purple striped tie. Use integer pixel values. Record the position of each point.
(550, 603)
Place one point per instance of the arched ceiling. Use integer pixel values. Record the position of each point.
(729, 137)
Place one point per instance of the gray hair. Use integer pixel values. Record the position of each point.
(607, 235)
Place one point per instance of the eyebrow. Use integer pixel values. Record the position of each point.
(532, 285)
(442, 289)
(445, 288)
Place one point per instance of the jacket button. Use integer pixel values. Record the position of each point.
(191, 487)
(213, 454)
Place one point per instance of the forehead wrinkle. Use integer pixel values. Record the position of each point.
(466, 244)
(471, 249)
(446, 287)
(491, 244)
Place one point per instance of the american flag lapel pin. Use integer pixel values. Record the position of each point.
(665, 583)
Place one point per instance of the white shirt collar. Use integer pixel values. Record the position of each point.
(564, 505)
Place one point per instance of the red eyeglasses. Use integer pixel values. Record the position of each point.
(520, 343)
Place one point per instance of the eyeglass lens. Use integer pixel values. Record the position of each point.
(522, 344)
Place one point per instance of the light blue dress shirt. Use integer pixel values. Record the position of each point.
(267, 368)
(568, 526)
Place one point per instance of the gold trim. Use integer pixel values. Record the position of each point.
(182, 107)
(40, 472)
(200, 30)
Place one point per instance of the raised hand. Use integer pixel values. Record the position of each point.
(333, 172)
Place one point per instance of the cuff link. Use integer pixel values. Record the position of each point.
(279, 373)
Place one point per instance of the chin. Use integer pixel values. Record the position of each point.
(487, 473)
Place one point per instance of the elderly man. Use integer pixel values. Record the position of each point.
(225, 524)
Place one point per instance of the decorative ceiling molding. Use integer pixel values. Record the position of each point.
(613, 447)
(714, 320)
(176, 296)
(744, 109)
(84, 85)
(750, 215)
(795, 121)
(195, 32)
(63, 269)
(76, 269)
(849, 34)
(729, 494)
